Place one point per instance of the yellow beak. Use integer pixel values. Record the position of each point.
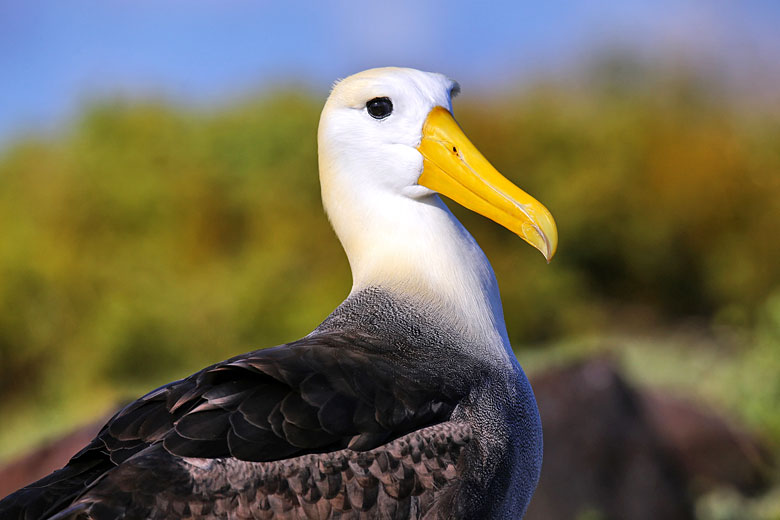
(454, 167)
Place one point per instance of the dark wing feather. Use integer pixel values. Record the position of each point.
(411, 477)
(320, 394)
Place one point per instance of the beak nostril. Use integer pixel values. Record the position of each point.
(454, 149)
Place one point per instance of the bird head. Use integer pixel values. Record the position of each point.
(390, 132)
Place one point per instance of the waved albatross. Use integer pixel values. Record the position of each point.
(406, 402)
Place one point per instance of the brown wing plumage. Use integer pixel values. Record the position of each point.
(406, 478)
(318, 395)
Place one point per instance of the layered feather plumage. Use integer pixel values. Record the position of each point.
(406, 402)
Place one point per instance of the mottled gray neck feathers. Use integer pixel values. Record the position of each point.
(417, 326)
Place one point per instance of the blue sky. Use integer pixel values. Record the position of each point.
(57, 55)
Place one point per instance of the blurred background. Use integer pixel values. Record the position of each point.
(160, 211)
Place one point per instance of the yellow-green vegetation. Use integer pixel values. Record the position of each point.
(148, 240)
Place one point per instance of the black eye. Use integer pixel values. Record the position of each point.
(380, 107)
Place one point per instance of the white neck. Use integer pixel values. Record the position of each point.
(416, 248)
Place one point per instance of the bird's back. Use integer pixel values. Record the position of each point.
(341, 422)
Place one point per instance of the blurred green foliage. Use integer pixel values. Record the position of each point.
(149, 240)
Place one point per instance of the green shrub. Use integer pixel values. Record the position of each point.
(149, 240)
